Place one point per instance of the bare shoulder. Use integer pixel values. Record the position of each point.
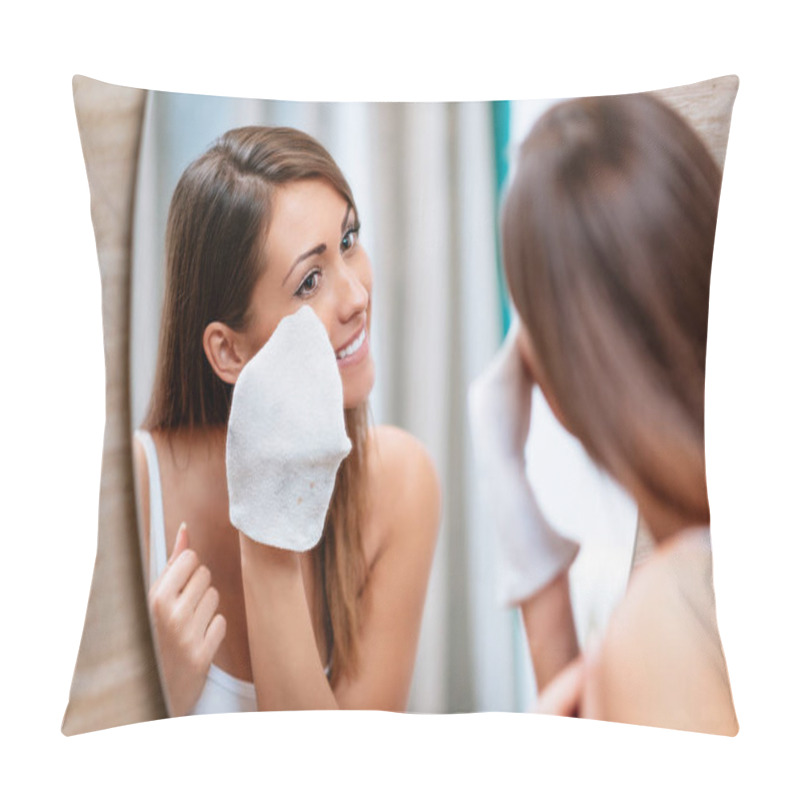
(660, 662)
(404, 486)
(398, 458)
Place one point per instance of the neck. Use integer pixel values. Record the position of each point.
(664, 521)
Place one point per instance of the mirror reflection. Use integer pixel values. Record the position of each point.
(382, 219)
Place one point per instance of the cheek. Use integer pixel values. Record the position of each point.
(365, 276)
(324, 306)
(363, 270)
(263, 315)
(357, 386)
(256, 337)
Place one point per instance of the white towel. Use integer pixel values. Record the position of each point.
(529, 551)
(286, 436)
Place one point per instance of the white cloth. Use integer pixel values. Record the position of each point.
(530, 553)
(222, 692)
(286, 436)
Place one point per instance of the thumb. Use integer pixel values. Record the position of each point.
(181, 543)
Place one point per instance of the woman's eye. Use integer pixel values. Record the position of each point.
(309, 284)
(350, 238)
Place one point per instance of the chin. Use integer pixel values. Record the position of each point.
(356, 388)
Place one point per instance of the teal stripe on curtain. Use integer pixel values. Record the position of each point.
(501, 123)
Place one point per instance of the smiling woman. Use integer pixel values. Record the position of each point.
(261, 225)
(333, 276)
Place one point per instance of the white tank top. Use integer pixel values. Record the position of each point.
(222, 692)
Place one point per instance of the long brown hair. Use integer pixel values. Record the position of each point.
(219, 215)
(608, 232)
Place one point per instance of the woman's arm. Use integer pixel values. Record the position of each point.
(550, 629)
(404, 516)
(287, 671)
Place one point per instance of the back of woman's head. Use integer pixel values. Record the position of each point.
(608, 232)
(217, 226)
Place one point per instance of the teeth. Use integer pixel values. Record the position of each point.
(350, 349)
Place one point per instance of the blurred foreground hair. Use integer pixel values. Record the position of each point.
(608, 233)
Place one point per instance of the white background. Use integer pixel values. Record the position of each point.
(53, 388)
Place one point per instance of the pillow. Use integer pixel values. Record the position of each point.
(417, 264)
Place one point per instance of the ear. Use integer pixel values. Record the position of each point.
(224, 350)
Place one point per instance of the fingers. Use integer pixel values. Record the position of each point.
(176, 575)
(181, 543)
(174, 581)
(209, 627)
(180, 586)
(206, 609)
(214, 636)
(196, 587)
(562, 695)
(188, 630)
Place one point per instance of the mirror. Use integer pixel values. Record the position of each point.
(424, 178)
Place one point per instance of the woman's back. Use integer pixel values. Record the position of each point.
(661, 661)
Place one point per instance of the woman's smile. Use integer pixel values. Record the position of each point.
(355, 351)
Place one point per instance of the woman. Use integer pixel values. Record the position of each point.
(261, 225)
(608, 231)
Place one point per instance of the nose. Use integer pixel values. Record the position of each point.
(352, 294)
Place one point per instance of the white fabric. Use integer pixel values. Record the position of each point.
(222, 692)
(158, 544)
(286, 436)
(530, 552)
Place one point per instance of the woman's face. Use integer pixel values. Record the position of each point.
(314, 257)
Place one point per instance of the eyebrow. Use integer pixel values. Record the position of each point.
(319, 249)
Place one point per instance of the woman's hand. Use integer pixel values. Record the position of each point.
(188, 632)
(286, 436)
(562, 696)
(287, 670)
